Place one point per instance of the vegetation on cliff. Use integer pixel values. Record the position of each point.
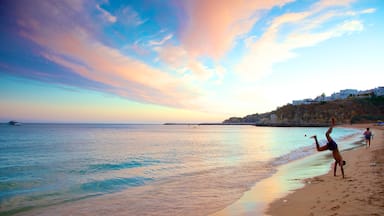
(351, 110)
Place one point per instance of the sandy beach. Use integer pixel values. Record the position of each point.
(360, 193)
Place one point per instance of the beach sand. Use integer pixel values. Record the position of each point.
(360, 193)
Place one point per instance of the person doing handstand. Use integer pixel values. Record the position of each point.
(332, 146)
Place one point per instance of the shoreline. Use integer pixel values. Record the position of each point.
(273, 195)
(360, 193)
(259, 124)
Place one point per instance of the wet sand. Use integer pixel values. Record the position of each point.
(360, 193)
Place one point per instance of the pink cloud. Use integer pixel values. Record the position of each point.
(320, 5)
(214, 25)
(74, 47)
(127, 77)
(174, 56)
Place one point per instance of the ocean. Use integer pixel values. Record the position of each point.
(133, 169)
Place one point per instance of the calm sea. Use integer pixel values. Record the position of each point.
(158, 169)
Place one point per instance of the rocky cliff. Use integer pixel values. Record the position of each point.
(352, 110)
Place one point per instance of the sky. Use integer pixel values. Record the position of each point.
(156, 61)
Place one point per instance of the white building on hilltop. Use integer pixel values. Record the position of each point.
(379, 91)
(305, 101)
(342, 94)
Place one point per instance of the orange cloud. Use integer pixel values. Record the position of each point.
(214, 25)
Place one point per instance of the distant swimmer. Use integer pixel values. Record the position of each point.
(332, 146)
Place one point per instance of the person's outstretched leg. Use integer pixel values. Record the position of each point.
(327, 134)
(322, 148)
(329, 131)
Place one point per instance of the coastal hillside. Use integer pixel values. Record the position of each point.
(351, 110)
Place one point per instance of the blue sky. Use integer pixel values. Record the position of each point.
(181, 61)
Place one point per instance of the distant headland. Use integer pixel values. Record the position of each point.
(348, 106)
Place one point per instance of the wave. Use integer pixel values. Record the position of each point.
(130, 164)
(113, 185)
(117, 166)
(293, 155)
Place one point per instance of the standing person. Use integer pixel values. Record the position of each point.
(332, 146)
(368, 135)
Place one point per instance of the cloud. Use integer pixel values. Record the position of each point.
(178, 59)
(266, 51)
(109, 17)
(160, 42)
(213, 26)
(125, 76)
(326, 4)
(75, 48)
(174, 56)
(352, 26)
(368, 11)
(211, 31)
(128, 16)
(291, 31)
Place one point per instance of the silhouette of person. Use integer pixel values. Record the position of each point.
(368, 136)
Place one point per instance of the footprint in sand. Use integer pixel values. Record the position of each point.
(334, 208)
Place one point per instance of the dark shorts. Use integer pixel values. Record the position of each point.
(331, 145)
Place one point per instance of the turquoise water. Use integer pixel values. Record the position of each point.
(50, 164)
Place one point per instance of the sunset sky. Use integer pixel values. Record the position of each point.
(155, 61)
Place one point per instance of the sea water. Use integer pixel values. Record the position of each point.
(157, 169)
